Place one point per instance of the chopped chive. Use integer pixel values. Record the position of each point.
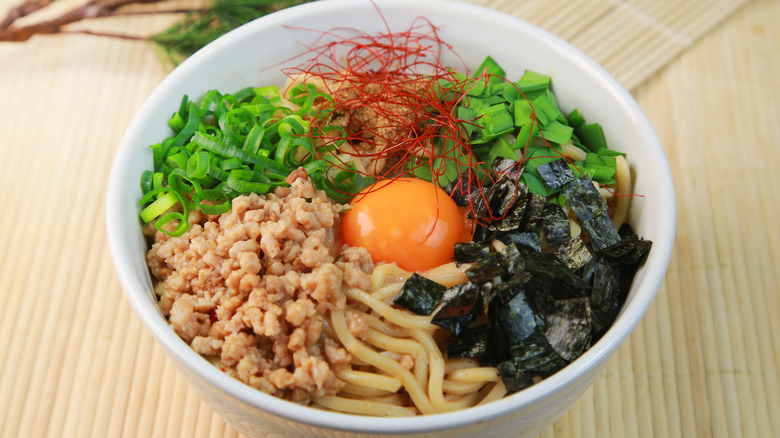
(557, 132)
(591, 136)
(575, 119)
(523, 112)
(533, 81)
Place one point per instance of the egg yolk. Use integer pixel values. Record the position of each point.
(408, 221)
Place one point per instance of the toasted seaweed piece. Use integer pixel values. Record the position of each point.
(525, 340)
(530, 240)
(486, 268)
(591, 210)
(502, 196)
(460, 299)
(460, 305)
(471, 342)
(466, 252)
(569, 327)
(606, 297)
(508, 203)
(549, 280)
(420, 295)
(512, 260)
(505, 166)
(631, 250)
(497, 349)
(584, 199)
(556, 173)
(513, 377)
(574, 253)
(555, 224)
(533, 213)
(454, 324)
(482, 233)
(462, 191)
(549, 266)
(601, 232)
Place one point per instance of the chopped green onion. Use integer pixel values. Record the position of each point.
(557, 132)
(532, 81)
(159, 206)
(213, 144)
(591, 136)
(212, 195)
(198, 165)
(523, 112)
(575, 119)
(546, 109)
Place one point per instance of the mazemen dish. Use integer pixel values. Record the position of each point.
(386, 235)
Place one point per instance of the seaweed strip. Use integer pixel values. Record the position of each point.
(555, 224)
(466, 252)
(631, 250)
(420, 295)
(469, 343)
(530, 240)
(514, 378)
(606, 298)
(508, 204)
(534, 212)
(486, 268)
(525, 339)
(548, 265)
(569, 327)
(502, 196)
(591, 210)
(574, 253)
(556, 173)
(460, 305)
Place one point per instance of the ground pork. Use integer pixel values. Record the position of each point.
(249, 289)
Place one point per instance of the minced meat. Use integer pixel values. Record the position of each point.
(249, 288)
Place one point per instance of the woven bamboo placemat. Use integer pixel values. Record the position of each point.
(75, 361)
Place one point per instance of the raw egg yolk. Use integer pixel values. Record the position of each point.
(408, 221)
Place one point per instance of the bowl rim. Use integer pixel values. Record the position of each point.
(656, 264)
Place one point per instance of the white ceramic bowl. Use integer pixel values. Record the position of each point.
(243, 57)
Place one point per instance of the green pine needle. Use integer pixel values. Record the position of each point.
(199, 28)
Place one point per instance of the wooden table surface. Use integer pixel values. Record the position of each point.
(705, 361)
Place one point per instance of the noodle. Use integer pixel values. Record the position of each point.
(402, 368)
(623, 178)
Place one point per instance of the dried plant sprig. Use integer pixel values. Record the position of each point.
(90, 10)
(198, 27)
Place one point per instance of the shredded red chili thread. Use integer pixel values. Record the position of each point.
(387, 92)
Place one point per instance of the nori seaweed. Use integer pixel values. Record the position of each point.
(525, 338)
(531, 312)
(507, 204)
(471, 342)
(555, 224)
(534, 212)
(513, 377)
(468, 251)
(549, 267)
(502, 196)
(530, 240)
(574, 253)
(556, 173)
(569, 327)
(591, 210)
(460, 305)
(606, 297)
(420, 295)
(486, 268)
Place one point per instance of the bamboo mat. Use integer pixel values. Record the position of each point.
(705, 361)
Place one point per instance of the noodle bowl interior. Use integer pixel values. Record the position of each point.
(310, 321)
(253, 271)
